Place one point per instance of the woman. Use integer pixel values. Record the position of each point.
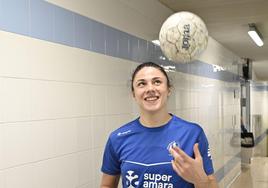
(158, 149)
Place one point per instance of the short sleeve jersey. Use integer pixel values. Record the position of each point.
(141, 154)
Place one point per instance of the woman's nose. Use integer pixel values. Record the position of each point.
(150, 87)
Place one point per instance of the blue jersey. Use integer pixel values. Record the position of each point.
(141, 154)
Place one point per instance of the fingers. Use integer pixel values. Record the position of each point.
(196, 151)
(177, 156)
(176, 152)
(190, 169)
(176, 167)
(180, 152)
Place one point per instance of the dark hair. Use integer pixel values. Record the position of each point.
(149, 64)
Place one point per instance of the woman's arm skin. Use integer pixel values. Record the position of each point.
(191, 169)
(109, 181)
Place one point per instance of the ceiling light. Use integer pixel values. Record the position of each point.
(156, 42)
(255, 34)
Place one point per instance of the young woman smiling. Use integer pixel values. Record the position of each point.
(158, 149)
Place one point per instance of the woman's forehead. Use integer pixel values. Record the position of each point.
(149, 72)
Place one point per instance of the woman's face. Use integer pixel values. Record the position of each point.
(150, 90)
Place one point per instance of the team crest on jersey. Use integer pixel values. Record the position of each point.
(132, 179)
(172, 145)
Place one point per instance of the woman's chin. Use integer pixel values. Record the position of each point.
(151, 109)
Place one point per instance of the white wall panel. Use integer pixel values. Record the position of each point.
(58, 103)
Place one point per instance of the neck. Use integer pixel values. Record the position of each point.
(154, 119)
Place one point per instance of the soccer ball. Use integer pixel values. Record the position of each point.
(183, 37)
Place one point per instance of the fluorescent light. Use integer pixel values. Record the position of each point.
(156, 42)
(255, 35)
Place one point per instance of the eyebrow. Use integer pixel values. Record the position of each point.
(154, 78)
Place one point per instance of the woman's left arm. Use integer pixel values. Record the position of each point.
(192, 170)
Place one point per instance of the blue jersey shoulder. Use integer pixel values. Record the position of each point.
(124, 130)
(190, 126)
(134, 127)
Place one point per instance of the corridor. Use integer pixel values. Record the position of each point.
(254, 176)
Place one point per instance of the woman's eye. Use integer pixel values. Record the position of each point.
(157, 82)
(140, 84)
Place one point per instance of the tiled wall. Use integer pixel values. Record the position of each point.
(259, 101)
(64, 85)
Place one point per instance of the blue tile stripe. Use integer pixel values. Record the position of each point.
(43, 20)
(261, 137)
(223, 171)
(260, 87)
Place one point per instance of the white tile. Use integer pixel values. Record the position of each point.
(65, 99)
(15, 100)
(185, 114)
(109, 70)
(135, 107)
(84, 142)
(45, 174)
(124, 118)
(92, 168)
(80, 69)
(178, 99)
(184, 99)
(67, 171)
(21, 177)
(43, 139)
(118, 100)
(194, 115)
(1, 99)
(97, 162)
(80, 99)
(2, 179)
(195, 103)
(2, 145)
(88, 185)
(65, 136)
(18, 148)
(118, 72)
(98, 134)
(22, 54)
(204, 115)
(27, 142)
(171, 103)
(98, 100)
(203, 98)
(111, 123)
(85, 164)
(41, 93)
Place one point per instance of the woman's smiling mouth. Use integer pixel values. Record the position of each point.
(151, 98)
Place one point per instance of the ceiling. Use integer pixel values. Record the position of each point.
(227, 22)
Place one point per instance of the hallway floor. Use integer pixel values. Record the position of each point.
(254, 176)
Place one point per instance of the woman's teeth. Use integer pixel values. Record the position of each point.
(151, 98)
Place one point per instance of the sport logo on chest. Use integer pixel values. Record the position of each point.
(150, 180)
(132, 180)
